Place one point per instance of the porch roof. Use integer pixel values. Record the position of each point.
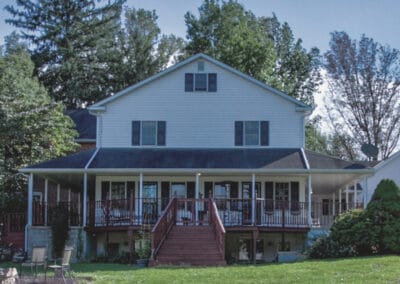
(243, 159)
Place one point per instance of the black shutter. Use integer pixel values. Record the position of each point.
(212, 82)
(130, 188)
(190, 189)
(164, 194)
(161, 133)
(238, 133)
(208, 189)
(189, 82)
(105, 190)
(264, 133)
(135, 133)
(234, 190)
(269, 196)
(294, 194)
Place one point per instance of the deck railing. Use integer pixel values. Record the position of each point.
(163, 226)
(43, 213)
(323, 214)
(219, 229)
(14, 222)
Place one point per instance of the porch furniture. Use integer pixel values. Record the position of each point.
(39, 256)
(64, 265)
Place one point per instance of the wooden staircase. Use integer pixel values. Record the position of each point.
(190, 245)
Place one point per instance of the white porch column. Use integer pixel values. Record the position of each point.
(333, 204)
(84, 200)
(46, 188)
(347, 197)
(30, 199)
(58, 193)
(309, 192)
(196, 196)
(253, 195)
(365, 192)
(355, 194)
(340, 201)
(140, 196)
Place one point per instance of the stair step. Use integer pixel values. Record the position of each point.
(192, 262)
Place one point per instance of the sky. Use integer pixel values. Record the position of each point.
(310, 20)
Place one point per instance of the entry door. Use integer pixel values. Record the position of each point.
(247, 200)
(149, 202)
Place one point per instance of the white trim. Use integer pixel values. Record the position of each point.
(84, 200)
(46, 188)
(30, 199)
(100, 106)
(303, 153)
(91, 158)
(387, 161)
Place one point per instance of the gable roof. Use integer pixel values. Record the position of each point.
(322, 161)
(101, 104)
(85, 124)
(387, 161)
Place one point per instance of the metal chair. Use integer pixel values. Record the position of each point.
(64, 266)
(39, 258)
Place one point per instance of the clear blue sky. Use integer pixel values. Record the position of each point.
(311, 20)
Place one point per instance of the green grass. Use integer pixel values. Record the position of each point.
(378, 269)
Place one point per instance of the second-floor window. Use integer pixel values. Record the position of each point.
(148, 133)
(200, 82)
(251, 133)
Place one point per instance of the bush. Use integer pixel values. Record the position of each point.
(59, 229)
(326, 247)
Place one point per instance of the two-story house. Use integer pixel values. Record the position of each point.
(208, 159)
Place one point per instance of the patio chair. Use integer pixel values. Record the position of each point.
(64, 264)
(39, 258)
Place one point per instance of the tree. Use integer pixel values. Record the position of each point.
(141, 49)
(66, 36)
(261, 47)
(364, 83)
(32, 126)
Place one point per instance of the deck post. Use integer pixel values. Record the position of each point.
(46, 206)
(253, 198)
(340, 200)
(140, 197)
(131, 235)
(196, 196)
(255, 236)
(30, 199)
(309, 191)
(84, 200)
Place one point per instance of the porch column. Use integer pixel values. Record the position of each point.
(30, 199)
(309, 200)
(140, 197)
(355, 195)
(365, 192)
(253, 194)
(46, 188)
(58, 193)
(340, 201)
(334, 204)
(196, 196)
(84, 200)
(347, 197)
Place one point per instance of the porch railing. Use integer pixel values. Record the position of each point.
(219, 229)
(43, 213)
(323, 214)
(14, 222)
(163, 226)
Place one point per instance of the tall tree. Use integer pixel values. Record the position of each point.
(66, 36)
(142, 49)
(261, 47)
(32, 126)
(364, 83)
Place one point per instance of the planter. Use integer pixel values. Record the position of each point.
(141, 263)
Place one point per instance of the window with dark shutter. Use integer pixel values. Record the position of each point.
(189, 82)
(212, 82)
(135, 133)
(165, 193)
(130, 190)
(294, 196)
(190, 189)
(264, 133)
(208, 189)
(161, 129)
(200, 82)
(269, 196)
(238, 133)
(105, 190)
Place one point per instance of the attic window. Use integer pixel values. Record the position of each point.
(200, 66)
(200, 82)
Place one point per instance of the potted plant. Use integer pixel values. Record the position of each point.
(143, 253)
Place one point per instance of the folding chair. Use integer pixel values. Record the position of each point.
(64, 266)
(39, 256)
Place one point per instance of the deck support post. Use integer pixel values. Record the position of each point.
(140, 198)
(30, 200)
(309, 192)
(196, 197)
(340, 201)
(46, 206)
(131, 235)
(253, 198)
(255, 237)
(84, 200)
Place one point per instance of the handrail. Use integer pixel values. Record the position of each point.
(218, 227)
(162, 227)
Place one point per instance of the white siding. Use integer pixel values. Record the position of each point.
(201, 119)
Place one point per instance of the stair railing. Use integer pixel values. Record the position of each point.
(219, 228)
(162, 227)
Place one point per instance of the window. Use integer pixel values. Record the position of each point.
(148, 133)
(251, 133)
(201, 82)
(178, 190)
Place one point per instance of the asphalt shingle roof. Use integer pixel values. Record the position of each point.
(85, 123)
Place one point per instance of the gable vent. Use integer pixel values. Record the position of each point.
(200, 66)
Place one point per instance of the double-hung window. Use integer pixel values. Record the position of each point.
(200, 82)
(148, 133)
(251, 133)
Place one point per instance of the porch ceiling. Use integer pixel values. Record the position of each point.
(325, 183)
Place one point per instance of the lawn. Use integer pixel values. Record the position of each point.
(385, 269)
(379, 269)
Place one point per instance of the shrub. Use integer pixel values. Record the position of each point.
(59, 229)
(326, 247)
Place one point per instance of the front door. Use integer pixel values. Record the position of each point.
(149, 202)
